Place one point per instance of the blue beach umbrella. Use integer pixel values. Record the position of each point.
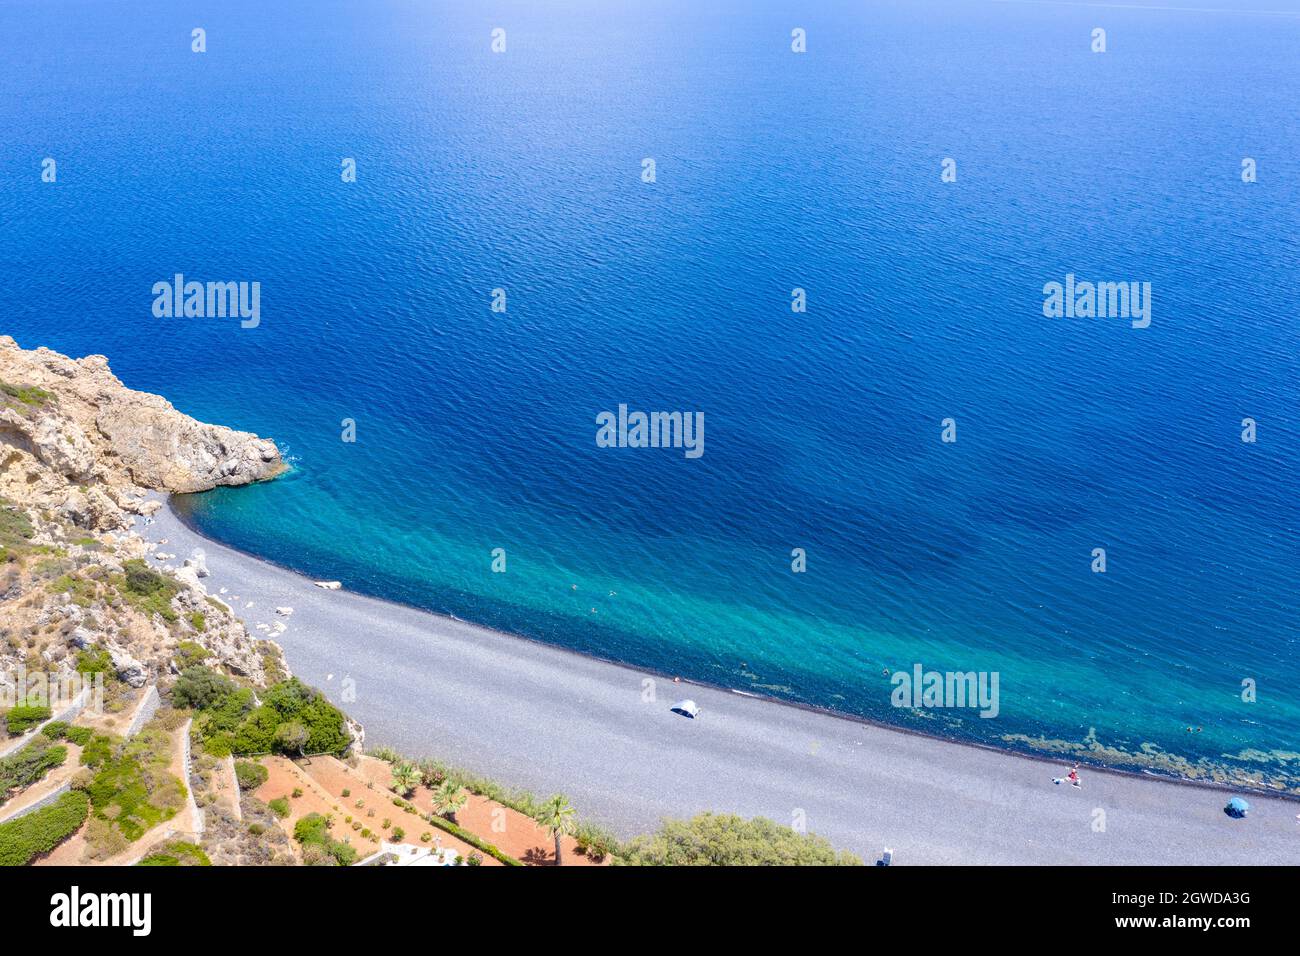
(1236, 807)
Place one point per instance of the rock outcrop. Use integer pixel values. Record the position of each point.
(73, 437)
(78, 453)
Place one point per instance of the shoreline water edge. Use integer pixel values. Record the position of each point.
(1147, 761)
(528, 713)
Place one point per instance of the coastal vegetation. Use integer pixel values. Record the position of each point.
(559, 820)
(250, 775)
(149, 591)
(16, 532)
(42, 754)
(23, 397)
(40, 831)
(24, 716)
(592, 840)
(318, 847)
(724, 839)
(130, 785)
(29, 765)
(448, 798)
(177, 853)
(705, 840)
(405, 778)
(290, 717)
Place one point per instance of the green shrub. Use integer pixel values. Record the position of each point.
(216, 725)
(190, 654)
(96, 660)
(24, 717)
(148, 590)
(198, 621)
(256, 733)
(723, 839)
(84, 592)
(29, 765)
(280, 807)
(97, 750)
(201, 688)
(40, 831)
(29, 395)
(297, 703)
(313, 830)
(15, 527)
(177, 853)
(250, 775)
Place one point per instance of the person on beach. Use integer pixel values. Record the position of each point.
(1073, 777)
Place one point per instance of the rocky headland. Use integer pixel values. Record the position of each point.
(79, 455)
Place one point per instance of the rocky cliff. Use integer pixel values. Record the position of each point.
(78, 453)
(76, 439)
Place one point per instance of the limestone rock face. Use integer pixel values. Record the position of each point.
(128, 668)
(74, 418)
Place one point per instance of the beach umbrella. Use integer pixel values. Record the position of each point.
(687, 708)
(1236, 807)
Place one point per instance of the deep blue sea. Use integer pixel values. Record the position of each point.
(522, 170)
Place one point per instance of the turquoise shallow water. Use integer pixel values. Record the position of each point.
(475, 430)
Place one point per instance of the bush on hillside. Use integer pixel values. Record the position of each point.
(200, 688)
(148, 590)
(19, 771)
(20, 719)
(312, 831)
(250, 775)
(40, 831)
(177, 853)
(292, 719)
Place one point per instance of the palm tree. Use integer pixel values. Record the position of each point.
(405, 778)
(449, 798)
(559, 818)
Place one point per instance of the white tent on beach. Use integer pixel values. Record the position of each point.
(687, 708)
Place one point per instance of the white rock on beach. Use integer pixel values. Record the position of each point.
(198, 561)
(284, 611)
(190, 576)
(329, 585)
